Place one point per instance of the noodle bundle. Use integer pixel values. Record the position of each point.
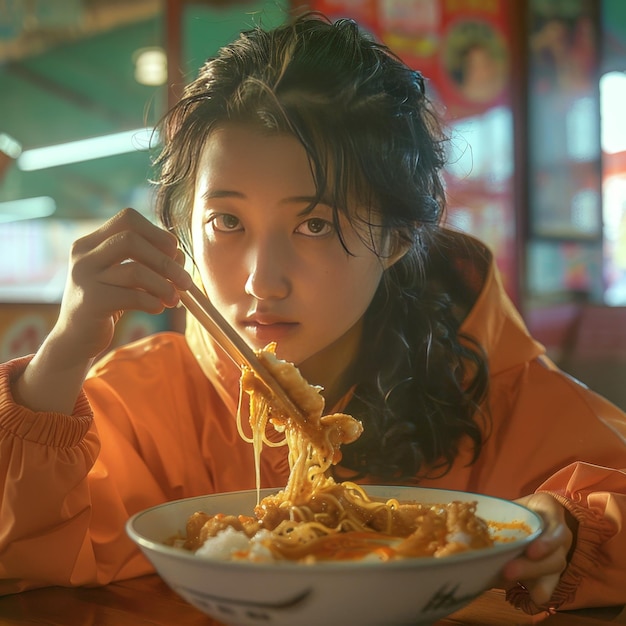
(315, 518)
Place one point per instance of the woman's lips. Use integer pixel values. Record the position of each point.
(266, 332)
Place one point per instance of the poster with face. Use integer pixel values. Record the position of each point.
(462, 47)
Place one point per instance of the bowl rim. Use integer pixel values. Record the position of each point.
(327, 566)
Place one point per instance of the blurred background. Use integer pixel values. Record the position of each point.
(532, 91)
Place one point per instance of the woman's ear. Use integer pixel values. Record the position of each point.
(397, 246)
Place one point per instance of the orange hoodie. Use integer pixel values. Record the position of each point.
(156, 423)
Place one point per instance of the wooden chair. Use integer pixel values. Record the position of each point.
(595, 351)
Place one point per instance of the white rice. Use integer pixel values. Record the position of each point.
(230, 544)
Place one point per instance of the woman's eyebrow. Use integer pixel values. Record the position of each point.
(211, 194)
(310, 201)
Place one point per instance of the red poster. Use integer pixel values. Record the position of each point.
(461, 46)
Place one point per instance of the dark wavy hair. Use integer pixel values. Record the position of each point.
(374, 141)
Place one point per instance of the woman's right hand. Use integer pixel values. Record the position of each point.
(127, 264)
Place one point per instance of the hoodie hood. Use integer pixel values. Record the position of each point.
(492, 320)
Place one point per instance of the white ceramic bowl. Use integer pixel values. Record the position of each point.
(403, 592)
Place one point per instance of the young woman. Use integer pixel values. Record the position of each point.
(301, 174)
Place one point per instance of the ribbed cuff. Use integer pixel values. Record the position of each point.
(49, 429)
(593, 531)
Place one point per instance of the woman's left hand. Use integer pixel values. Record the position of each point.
(540, 567)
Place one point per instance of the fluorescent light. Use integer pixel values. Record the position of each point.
(27, 209)
(85, 149)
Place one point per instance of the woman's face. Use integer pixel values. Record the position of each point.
(275, 273)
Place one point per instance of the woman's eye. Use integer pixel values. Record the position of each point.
(225, 223)
(315, 227)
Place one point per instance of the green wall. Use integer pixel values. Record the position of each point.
(206, 29)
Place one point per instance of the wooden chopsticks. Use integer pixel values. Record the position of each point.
(197, 303)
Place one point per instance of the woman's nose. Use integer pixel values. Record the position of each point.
(268, 268)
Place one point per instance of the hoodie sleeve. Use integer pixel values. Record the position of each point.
(44, 462)
(596, 497)
(63, 513)
(596, 573)
(552, 434)
(574, 443)
(147, 428)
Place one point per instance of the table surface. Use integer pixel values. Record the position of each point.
(148, 601)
